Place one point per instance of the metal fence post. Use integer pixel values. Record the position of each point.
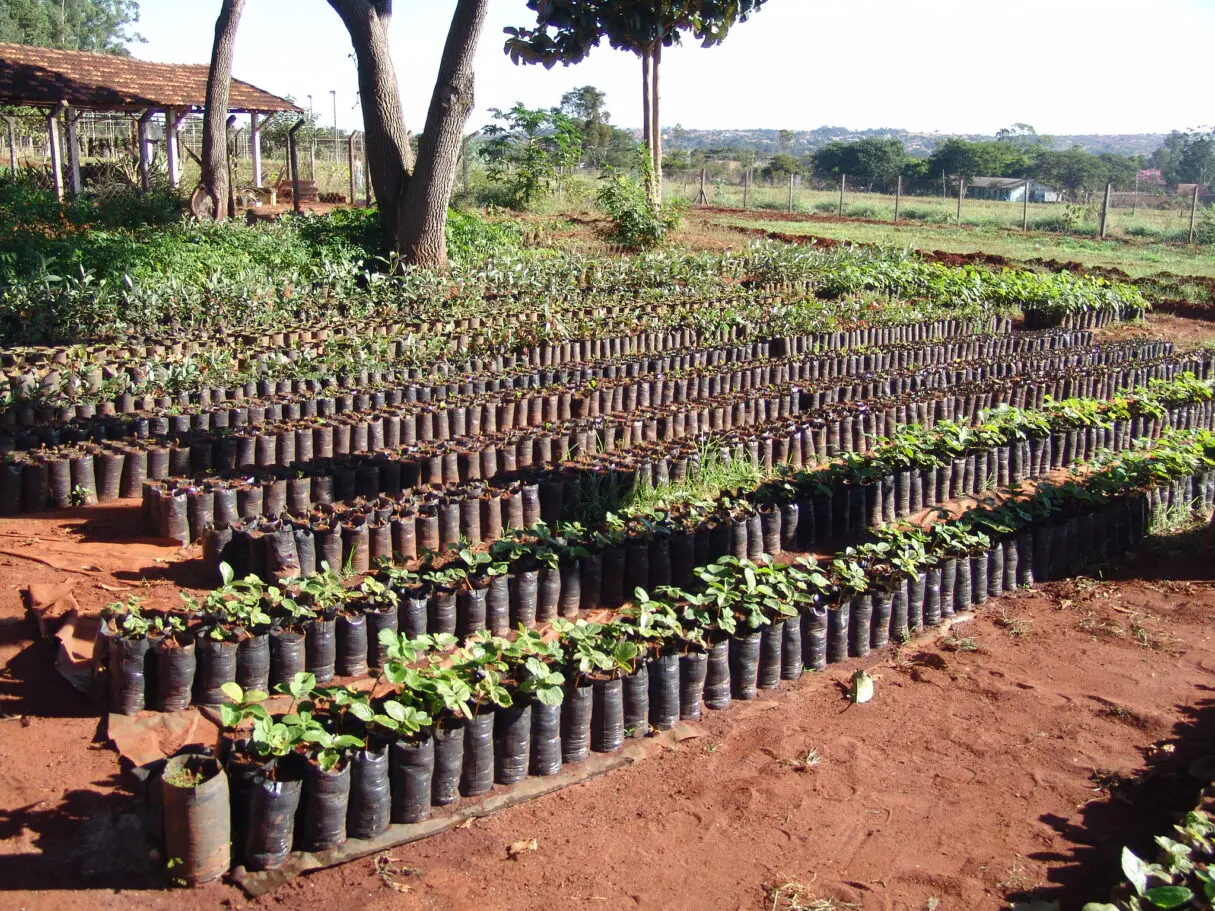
(790, 194)
(961, 193)
(843, 184)
(1025, 207)
(898, 195)
(1105, 207)
(293, 160)
(1194, 214)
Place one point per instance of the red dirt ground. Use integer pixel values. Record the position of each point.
(972, 776)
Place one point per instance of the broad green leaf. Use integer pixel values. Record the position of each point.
(1134, 870)
(233, 691)
(862, 688)
(1168, 896)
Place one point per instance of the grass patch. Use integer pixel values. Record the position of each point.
(1135, 257)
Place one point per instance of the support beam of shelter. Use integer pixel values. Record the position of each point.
(70, 119)
(56, 150)
(255, 145)
(145, 156)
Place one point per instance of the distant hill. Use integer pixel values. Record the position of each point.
(918, 144)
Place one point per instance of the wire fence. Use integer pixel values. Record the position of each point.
(1160, 213)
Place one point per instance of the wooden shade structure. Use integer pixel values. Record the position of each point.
(65, 83)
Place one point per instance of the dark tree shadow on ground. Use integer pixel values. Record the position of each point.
(89, 839)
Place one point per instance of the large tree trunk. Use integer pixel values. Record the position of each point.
(647, 118)
(422, 231)
(213, 199)
(389, 156)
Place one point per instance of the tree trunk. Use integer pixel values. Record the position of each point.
(213, 199)
(647, 119)
(656, 129)
(422, 232)
(389, 156)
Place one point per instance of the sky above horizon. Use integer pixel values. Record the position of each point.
(949, 66)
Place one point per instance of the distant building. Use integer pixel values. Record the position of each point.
(1010, 189)
(1150, 177)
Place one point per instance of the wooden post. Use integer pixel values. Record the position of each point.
(746, 187)
(52, 135)
(350, 163)
(1194, 214)
(293, 160)
(1025, 207)
(961, 193)
(944, 189)
(12, 144)
(145, 159)
(173, 119)
(843, 184)
(898, 195)
(790, 194)
(312, 160)
(255, 146)
(1105, 207)
(702, 198)
(70, 118)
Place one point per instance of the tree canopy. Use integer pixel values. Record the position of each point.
(1187, 157)
(866, 162)
(76, 25)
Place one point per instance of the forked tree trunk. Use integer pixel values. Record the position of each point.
(422, 226)
(389, 156)
(213, 198)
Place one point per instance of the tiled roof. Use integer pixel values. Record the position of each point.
(41, 76)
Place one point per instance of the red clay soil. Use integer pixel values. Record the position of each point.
(972, 776)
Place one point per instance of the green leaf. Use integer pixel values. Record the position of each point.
(302, 684)
(862, 688)
(361, 711)
(1168, 896)
(233, 690)
(1135, 871)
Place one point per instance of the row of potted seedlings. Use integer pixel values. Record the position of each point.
(283, 433)
(626, 337)
(446, 721)
(919, 467)
(286, 399)
(531, 575)
(343, 480)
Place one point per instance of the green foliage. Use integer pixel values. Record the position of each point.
(78, 25)
(567, 30)
(471, 239)
(530, 150)
(866, 161)
(639, 222)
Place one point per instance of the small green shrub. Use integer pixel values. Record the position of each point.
(927, 216)
(639, 223)
(826, 207)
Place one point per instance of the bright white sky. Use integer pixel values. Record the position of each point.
(955, 66)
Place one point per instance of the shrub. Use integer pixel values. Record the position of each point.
(639, 223)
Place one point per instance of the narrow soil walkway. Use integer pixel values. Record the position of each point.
(1010, 756)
